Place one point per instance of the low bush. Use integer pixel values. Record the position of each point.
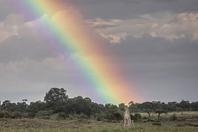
(173, 117)
(136, 117)
(44, 114)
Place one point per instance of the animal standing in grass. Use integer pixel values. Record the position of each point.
(127, 119)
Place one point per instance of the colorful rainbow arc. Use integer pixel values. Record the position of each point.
(71, 34)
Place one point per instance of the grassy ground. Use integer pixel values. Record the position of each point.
(37, 125)
(186, 122)
(191, 114)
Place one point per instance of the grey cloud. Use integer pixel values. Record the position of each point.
(159, 68)
(114, 8)
(20, 39)
(16, 49)
(160, 25)
(123, 9)
(32, 78)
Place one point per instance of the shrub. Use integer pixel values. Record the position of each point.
(58, 116)
(1, 114)
(77, 116)
(100, 116)
(44, 114)
(136, 117)
(17, 115)
(157, 123)
(117, 116)
(173, 117)
(6, 114)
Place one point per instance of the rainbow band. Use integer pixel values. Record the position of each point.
(71, 34)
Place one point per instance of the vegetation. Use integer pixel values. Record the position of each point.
(57, 113)
(57, 105)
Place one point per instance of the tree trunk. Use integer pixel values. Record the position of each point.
(159, 116)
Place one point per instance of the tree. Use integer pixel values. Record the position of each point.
(8, 106)
(159, 112)
(122, 106)
(56, 95)
(148, 108)
(185, 105)
(111, 112)
(194, 106)
(35, 107)
(172, 106)
(56, 98)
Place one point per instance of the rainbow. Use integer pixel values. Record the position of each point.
(72, 34)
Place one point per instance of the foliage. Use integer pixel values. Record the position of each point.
(173, 117)
(57, 105)
(136, 117)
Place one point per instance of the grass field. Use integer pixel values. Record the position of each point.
(189, 123)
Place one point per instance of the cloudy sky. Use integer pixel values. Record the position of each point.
(155, 42)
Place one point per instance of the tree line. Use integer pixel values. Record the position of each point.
(57, 105)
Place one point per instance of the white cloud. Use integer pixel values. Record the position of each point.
(168, 26)
(114, 38)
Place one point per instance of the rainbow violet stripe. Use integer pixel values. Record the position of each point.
(73, 35)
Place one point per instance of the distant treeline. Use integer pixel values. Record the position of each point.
(57, 105)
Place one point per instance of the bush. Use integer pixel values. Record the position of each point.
(173, 117)
(117, 116)
(157, 123)
(17, 115)
(1, 114)
(6, 114)
(58, 116)
(100, 116)
(44, 114)
(77, 116)
(136, 117)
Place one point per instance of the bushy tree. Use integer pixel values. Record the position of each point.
(8, 106)
(55, 99)
(56, 95)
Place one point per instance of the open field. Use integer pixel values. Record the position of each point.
(39, 125)
(185, 122)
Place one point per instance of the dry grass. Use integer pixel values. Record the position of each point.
(188, 124)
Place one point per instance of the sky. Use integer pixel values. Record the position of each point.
(154, 42)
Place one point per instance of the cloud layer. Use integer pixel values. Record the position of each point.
(163, 25)
(154, 42)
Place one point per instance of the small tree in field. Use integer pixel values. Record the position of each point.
(159, 112)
